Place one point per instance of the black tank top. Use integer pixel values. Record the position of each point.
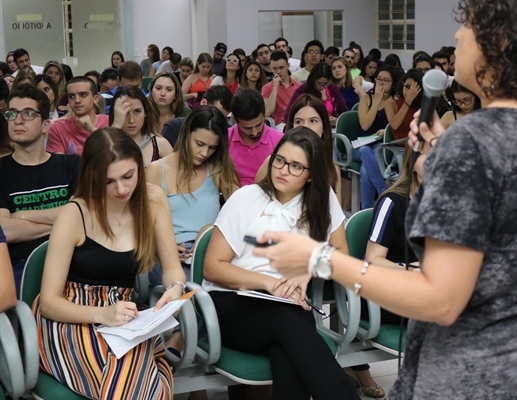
(94, 264)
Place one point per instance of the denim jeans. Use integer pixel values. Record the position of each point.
(371, 177)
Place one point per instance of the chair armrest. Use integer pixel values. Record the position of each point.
(189, 330)
(374, 315)
(348, 147)
(11, 366)
(206, 307)
(317, 288)
(379, 154)
(271, 122)
(349, 310)
(29, 335)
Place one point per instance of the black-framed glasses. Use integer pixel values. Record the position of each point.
(467, 101)
(28, 114)
(406, 85)
(313, 52)
(294, 168)
(384, 81)
(321, 84)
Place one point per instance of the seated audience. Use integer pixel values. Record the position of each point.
(9, 59)
(217, 60)
(218, 96)
(251, 140)
(309, 111)
(392, 59)
(9, 79)
(23, 61)
(293, 197)
(313, 51)
(342, 78)
(264, 58)
(281, 44)
(67, 135)
(350, 57)
(167, 52)
(364, 81)
(196, 85)
(318, 84)
(130, 113)
(230, 74)
(117, 58)
(400, 110)
(186, 68)
(242, 57)
(165, 100)
(278, 93)
(55, 71)
(48, 86)
(464, 102)
(35, 184)
(129, 73)
(373, 120)
(172, 66)
(115, 229)
(23, 76)
(253, 77)
(330, 53)
(95, 77)
(153, 55)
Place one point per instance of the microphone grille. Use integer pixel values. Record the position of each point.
(434, 82)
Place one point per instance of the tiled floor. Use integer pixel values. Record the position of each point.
(384, 373)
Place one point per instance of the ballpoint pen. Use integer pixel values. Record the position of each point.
(318, 310)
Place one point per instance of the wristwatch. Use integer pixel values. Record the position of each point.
(319, 264)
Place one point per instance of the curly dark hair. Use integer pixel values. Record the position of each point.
(493, 24)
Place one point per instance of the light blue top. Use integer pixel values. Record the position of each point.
(190, 212)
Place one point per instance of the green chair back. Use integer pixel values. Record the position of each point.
(348, 125)
(198, 256)
(47, 386)
(355, 107)
(388, 137)
(146, 82)
(33, 273)
(357, 230)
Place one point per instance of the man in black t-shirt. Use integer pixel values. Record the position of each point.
(34, 184)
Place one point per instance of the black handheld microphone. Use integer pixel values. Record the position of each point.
(433, 84)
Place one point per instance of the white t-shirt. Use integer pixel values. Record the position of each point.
(36, 68)
(250, 211)
(294, 65)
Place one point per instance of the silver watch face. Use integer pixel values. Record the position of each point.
(323, 269)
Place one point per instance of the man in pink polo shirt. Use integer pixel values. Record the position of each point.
(279, 91)
(251, 140)
(67, 136)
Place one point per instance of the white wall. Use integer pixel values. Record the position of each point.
(243, 19)
(164, 23)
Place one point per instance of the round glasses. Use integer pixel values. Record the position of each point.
(28, 114)
(294, 168)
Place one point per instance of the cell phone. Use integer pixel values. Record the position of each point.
(253, 241)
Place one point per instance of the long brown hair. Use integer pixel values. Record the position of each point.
(202, 58)
(134, 93)
(61, 85)
(307, 100)
(348, 77)
(211, 119)
(176, 107)
(401, 184)
(102, 148)
(315, 200)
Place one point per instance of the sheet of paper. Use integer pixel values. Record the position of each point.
(364, 140)
(120, 346)
(264, 296)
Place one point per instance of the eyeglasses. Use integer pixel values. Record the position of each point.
(28, 114)
(313, 52)
(406, 85)
(384, 81)
(467, 101)
(232, 60)
(294, 168)
(322, 84)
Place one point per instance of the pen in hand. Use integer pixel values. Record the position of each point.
(318, 310)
